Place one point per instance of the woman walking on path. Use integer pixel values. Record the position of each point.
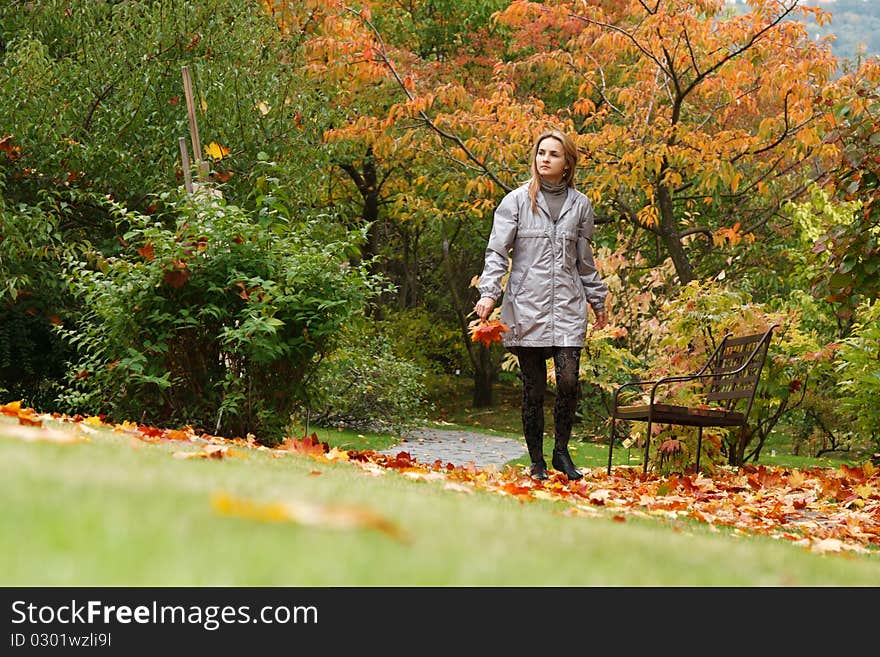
(546, 226)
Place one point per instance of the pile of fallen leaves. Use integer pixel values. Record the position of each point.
(822, 509)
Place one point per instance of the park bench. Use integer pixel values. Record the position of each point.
(725, 388)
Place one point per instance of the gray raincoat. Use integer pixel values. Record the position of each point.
(552, 274)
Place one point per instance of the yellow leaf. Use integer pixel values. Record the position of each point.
(215, 151)
(337, 455)
(865, 491)
(458, 488)
(262, 107)
(340, 517)
(796, 479)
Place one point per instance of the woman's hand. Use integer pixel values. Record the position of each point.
(601, 319)
(484, 307)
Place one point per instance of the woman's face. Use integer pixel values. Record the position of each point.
(550, 160)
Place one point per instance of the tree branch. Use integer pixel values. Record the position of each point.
(383, 53)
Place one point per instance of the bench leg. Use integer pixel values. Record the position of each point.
(611, 443)
(699, 447)
(647, 448)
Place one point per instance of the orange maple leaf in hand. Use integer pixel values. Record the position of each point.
(488, 332)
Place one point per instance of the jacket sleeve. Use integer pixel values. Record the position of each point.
(594, 286)
(500, 242)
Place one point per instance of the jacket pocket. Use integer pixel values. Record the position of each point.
(569, 252)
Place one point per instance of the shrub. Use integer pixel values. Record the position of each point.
(92, 105)
(31, 300)
(92, 93)
(859, 370)
(364, 385)
(425, 340)
(212, 317)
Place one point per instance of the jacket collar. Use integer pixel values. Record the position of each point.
(566, 206)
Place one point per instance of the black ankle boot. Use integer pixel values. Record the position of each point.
(536, 453)
(562, 462)
(538, 470)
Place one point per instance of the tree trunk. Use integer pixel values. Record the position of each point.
(671, 240)
(483, 377)
(367, 182)
(479, 355)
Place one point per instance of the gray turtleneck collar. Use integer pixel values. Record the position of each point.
(555, 195)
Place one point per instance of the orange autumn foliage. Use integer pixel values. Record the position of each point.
(489, 332)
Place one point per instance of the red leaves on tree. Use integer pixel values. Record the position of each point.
(6, 146)
(488, 332)
(178, 275)
(147, 251)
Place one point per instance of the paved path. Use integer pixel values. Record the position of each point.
(427, 444)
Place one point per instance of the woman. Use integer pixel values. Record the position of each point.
(546, 226)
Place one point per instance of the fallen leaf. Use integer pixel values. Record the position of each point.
(458, 488)
(210, 452)
(12, 408)
(336, 454)
(339, 517)
(31, 434)
(310, 445)
(827, 545)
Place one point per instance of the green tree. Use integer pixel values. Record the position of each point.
(92, 105)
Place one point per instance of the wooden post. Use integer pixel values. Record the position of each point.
(184, 158)
(201, 165)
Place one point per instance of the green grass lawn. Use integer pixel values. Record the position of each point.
(115, 511)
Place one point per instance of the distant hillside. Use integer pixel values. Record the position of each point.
(854, 23)
(856, 26)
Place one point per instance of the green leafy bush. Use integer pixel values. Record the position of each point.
(212, 317)
(364, 385)
(92, 105)
(32, 299)
(423, 338)
(859, 368)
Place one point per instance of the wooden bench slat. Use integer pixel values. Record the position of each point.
(732, 382)
(752, 339)
(728, 395)
(686, 415)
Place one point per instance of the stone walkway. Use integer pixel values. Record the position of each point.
(458, 447)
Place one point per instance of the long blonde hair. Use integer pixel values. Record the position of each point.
(570, 152)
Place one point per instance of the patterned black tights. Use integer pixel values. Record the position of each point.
(533, 369)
